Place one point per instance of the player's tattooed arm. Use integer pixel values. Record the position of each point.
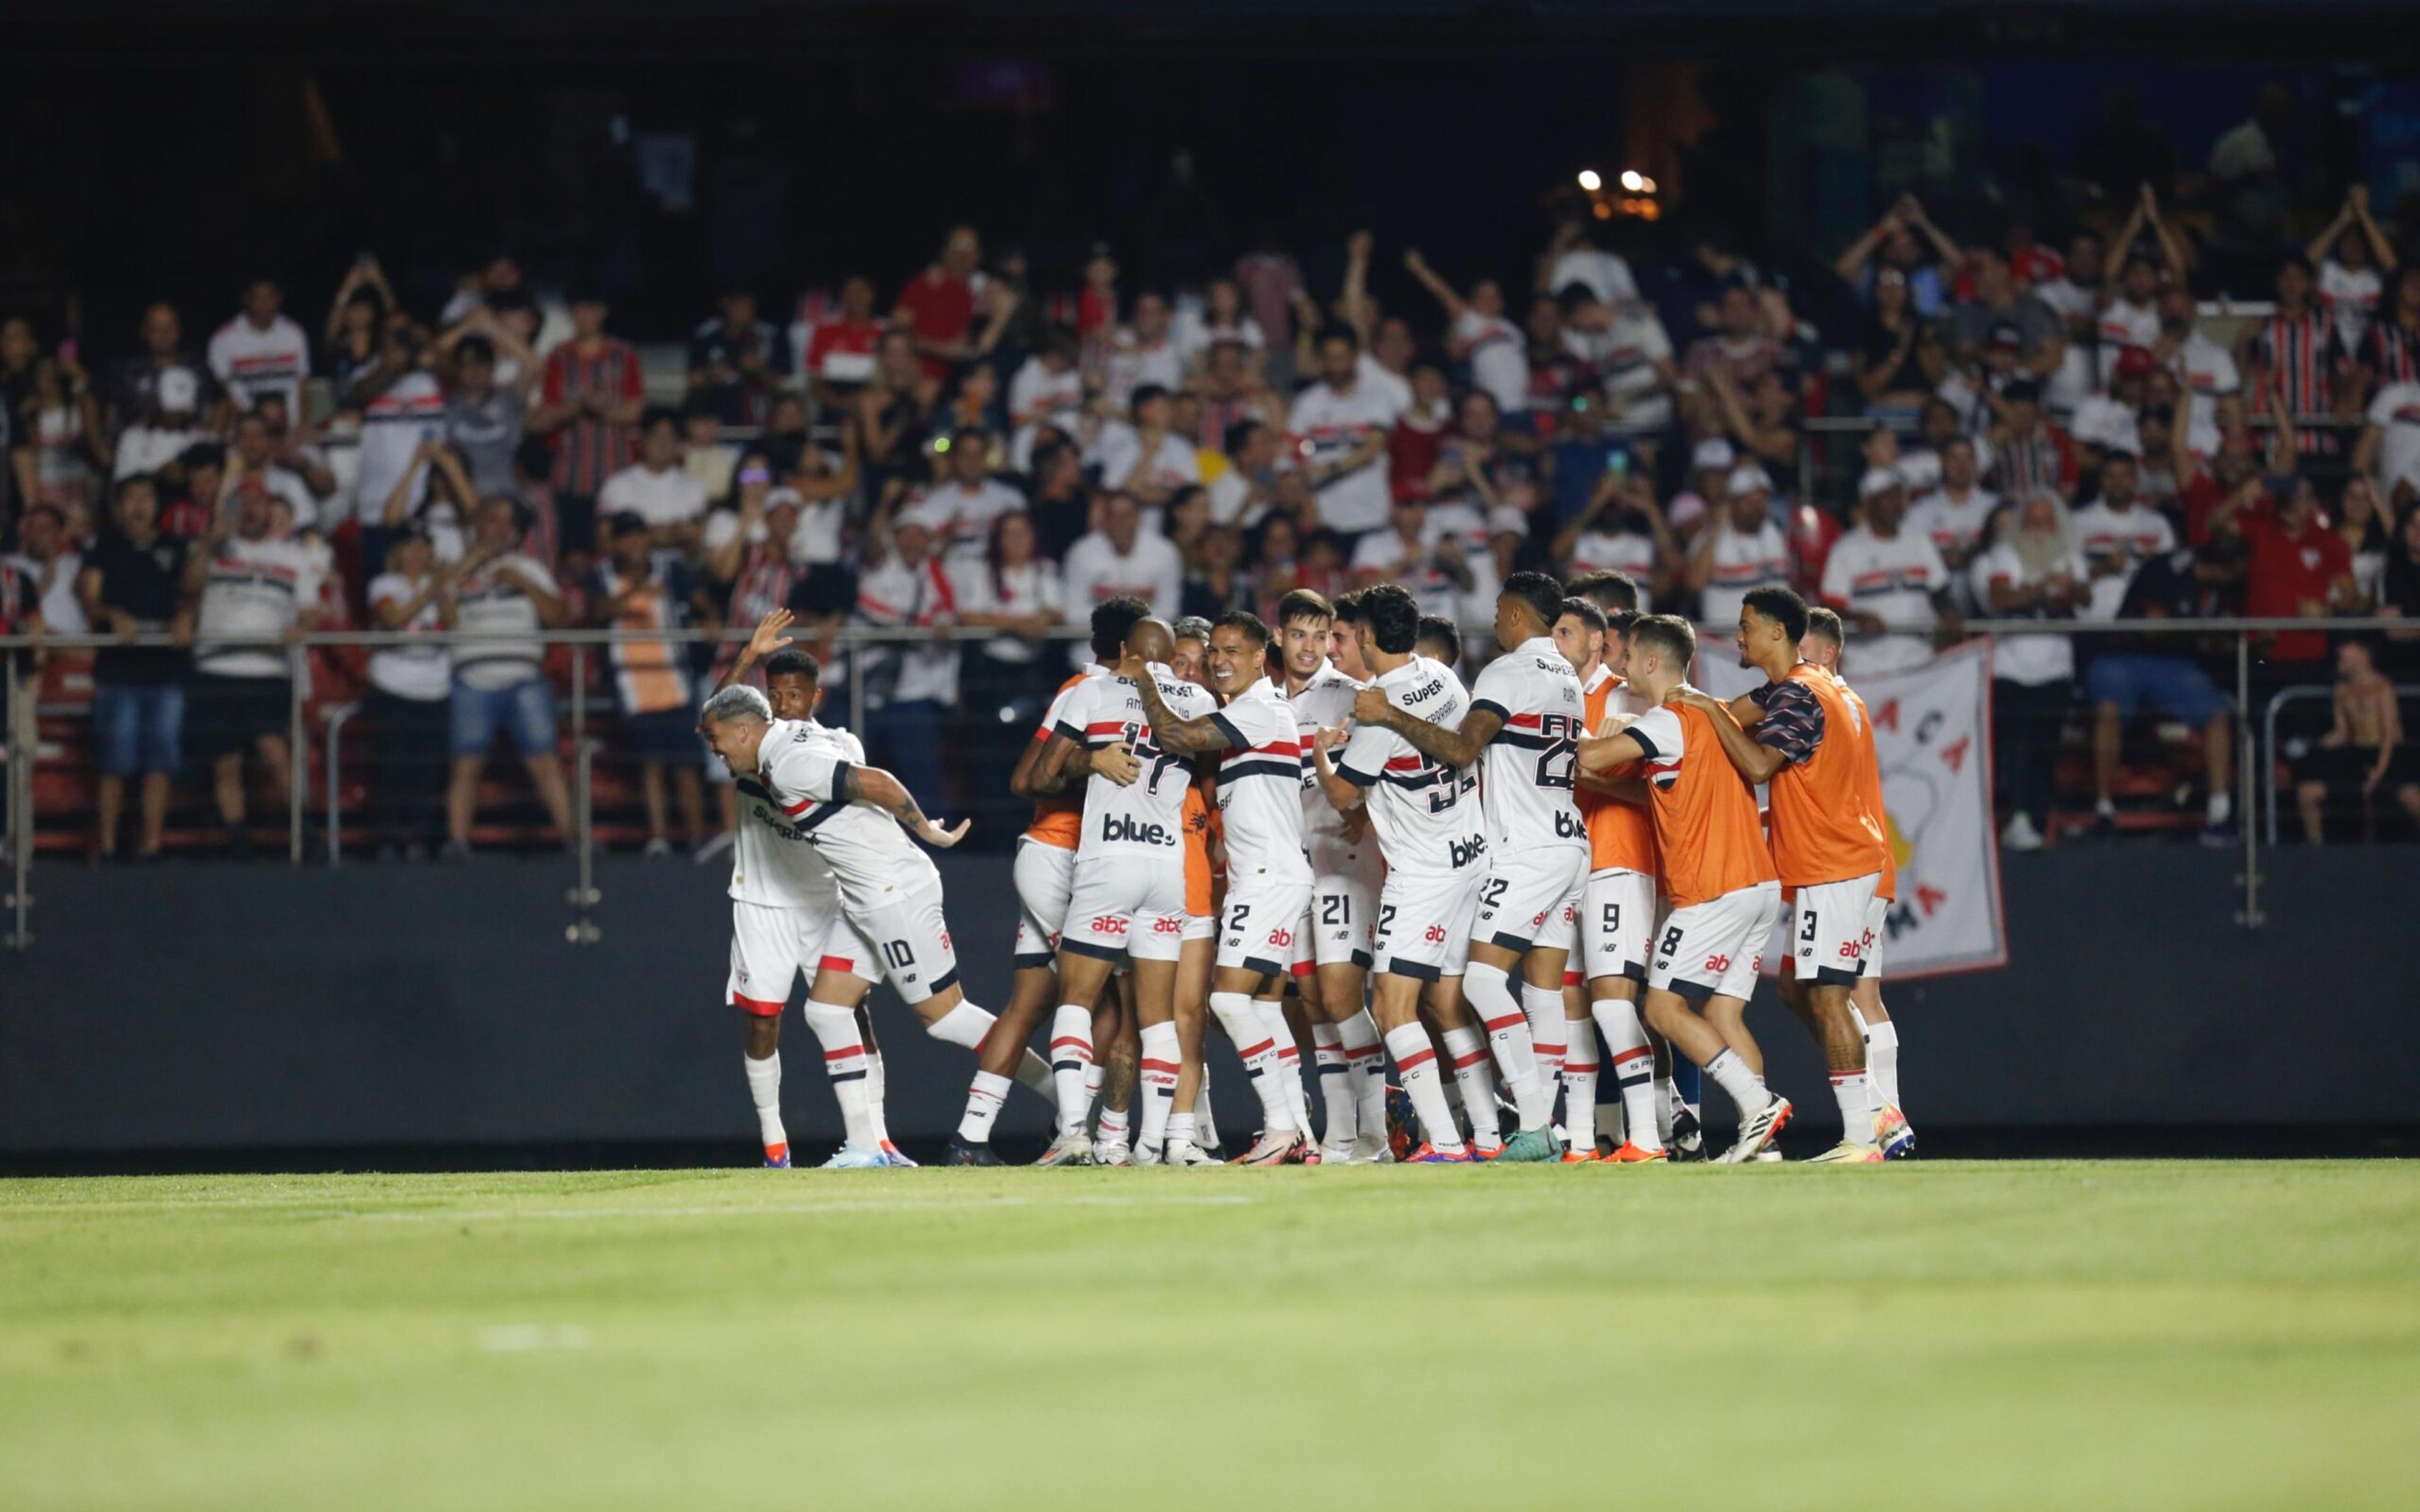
(1178, 737)
(1064, 764)
(1755, 762)
(1455, 748)
(1342, 794)
(767, 641)
(874, 786)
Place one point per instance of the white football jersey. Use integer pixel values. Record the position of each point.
(802, 768)
(1260, 785)
(1426, 813)
(772, 862)
(1528, 774)
(1146, 817)
(1325, 702)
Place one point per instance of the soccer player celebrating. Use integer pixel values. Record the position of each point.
(1320, 655)
(803, 785)
(1823, 646)
(1044, 872)
(1827, 844)
(1269, 880)
(1522, 730)
(1128, 894)
(1425, 812)
(1716, 873)
(1615, 919)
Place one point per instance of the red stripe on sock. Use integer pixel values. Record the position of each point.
(1471, 1059)
(847, 1052)
(1504, 1023)
(1253, 1050)
(1416, 1060)
(1573, 1068)
(1623, 1057)
(1159, 1064)
(1084, 1046)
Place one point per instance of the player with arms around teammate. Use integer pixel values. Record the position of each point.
(1615, 920)
(1127, 897)
(1827, 844)
(1269, 880)
(1320, 656)
(1425, 813)
(1522, 732)
(1825, 637)
(1716, 873)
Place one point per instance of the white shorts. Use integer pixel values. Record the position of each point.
(911, 940)
(1126, 905)
(1828, 930)
(1617, 924)
(1339, 928)
(1424, 924)
(1527, 894)
(770, 946)
(1261, 922)
(1198, 927)
(1043, 874)
(1877, 930)
(1715, 948)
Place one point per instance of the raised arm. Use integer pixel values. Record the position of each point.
(878, 789)
(1419, 267)
(1455, 748)
(767, 641)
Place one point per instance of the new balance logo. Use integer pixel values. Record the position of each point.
(1120, 828)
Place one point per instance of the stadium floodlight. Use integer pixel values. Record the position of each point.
(1590, 182)
(1629, 180)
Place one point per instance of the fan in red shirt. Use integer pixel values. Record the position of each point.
(2297, 568)
(939, 303)
(840, 352)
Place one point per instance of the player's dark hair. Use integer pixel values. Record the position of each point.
(1822, 621)
(1666, 634)
(1348, 609)
(1436, 627)
(1621, 621)
(1302, 604)
(1246, 620)
(791, 662)
(1339, 330)
(1584, 611)
(1112, 619)
(1542, 593)
(1393, 616)
(1780, 605)
(1609, 587)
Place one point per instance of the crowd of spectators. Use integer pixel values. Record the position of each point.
(2051, 432)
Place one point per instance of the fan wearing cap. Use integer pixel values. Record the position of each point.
(171, 424)
(1743, 550)
(1880, 574)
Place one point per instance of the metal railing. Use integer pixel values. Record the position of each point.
(2304, 693)
(2259, 759)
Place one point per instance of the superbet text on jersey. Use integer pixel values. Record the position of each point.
(1129, 891)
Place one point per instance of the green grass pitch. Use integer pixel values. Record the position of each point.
(2021, 1335)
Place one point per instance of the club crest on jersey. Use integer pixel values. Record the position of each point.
(1123, 827)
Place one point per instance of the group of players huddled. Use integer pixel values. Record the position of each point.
(1316, 836)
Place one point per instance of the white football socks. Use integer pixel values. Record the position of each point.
(1159, 1077)
(1882, 1060)
(1365, 1058)
(1634, 1070)
(983, 1100)
(1738, 1082)
(1241, 1019)
(965, 1025)
(1071, 1063)
(1507, 1034)
(1855, 1091)
(1579, 1085)
(1476, 1078)
(835, 1028)
(1273, 1019)
(1543, 1007)
(764, 1090)
(1416, 1068)
(1336, 1090)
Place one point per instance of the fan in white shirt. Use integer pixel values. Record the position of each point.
(1146, 458)
(1339, 425)
(1119, 558)
(1745, 549)
(2349, 254)
(261, 353)
(960, 510)
(1953, 514)
(2116, 533)
(1882, 573)
(1478, 333)
(1143, 353)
